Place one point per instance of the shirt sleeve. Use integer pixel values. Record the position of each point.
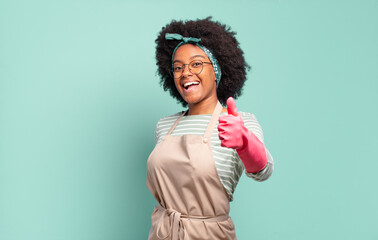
(252, 124)
(156, 133)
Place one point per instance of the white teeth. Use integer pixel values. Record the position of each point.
(190, 83)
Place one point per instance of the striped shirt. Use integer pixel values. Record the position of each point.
(227, 161)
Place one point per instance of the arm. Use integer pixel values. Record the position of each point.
(252, 124)
(233, 133)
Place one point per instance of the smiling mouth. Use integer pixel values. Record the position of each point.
(189, 84)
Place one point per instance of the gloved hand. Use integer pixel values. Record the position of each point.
(233, 134)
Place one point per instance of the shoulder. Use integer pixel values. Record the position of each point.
(171, 117)
(168, 119)
(164, 124)
(246, 116)
(250, 122)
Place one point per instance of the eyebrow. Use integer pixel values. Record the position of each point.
(190, 58)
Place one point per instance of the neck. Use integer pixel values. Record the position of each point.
(204, 107)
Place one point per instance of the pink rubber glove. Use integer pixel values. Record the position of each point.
(233, 134)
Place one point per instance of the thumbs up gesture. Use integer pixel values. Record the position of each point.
(230, 127)
(233, 134)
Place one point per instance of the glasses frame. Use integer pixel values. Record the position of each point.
(190, 70)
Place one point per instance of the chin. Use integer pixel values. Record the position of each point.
(192, 100)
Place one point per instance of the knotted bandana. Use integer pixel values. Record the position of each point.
(195, 41)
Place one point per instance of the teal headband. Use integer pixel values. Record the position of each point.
(195, 41)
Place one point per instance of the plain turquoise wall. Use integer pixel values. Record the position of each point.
(79, 100)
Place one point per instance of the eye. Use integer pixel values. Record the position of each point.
(177, 68)
(196, 64)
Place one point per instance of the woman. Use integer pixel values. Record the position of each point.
(201, 153)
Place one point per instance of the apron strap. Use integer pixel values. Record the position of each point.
(175, 124)
(213, 121)
(177, 229)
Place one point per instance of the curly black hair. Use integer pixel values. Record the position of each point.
(220, 40)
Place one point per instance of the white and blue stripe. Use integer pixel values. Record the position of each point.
(227, 161)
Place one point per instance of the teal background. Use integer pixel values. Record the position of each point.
(79, 100)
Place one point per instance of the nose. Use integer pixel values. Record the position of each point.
(186, 71)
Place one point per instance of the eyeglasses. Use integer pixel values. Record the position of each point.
(195, 67)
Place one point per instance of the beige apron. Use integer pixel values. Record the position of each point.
(182, 176)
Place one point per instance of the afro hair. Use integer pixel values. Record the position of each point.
(220, 40)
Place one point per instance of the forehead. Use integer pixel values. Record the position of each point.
(187, 51)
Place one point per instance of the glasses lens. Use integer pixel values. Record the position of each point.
(196, 66)
(177, 70)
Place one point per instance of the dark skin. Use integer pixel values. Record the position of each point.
(201, 98)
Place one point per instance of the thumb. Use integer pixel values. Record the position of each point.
(231, 107)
